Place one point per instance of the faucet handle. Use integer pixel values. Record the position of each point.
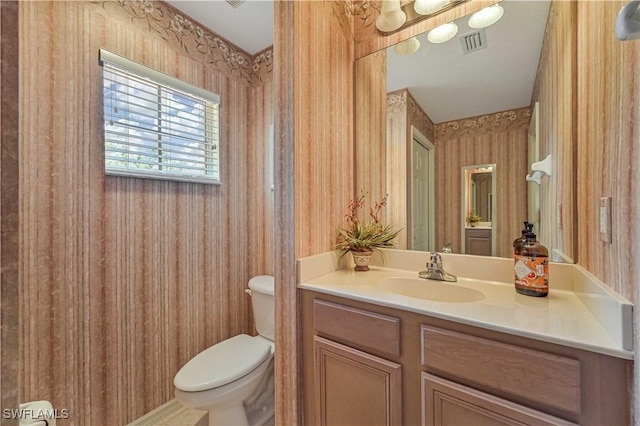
(448, 248)
(435, 261)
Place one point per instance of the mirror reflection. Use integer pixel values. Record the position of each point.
(473, 108)
(394, 16)
(481, 195)
(479, 203)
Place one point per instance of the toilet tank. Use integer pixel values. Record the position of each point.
(264, 304)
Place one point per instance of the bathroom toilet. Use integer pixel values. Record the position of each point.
(233, 379)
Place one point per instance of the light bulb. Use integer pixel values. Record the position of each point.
(487, 16)
(391, 16)
(444, 32)
(427, 7)
(407, 47)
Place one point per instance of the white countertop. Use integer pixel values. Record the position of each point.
(585, 319)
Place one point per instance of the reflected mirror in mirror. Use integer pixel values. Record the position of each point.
(481, 196)
(473, 103)
(478, 224)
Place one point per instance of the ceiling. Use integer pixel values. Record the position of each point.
(446, 83)
(249, 27)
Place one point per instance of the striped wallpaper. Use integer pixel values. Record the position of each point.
(123, 280)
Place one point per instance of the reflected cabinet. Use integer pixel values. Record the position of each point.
(478, 241)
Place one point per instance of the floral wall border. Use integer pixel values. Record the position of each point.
(194, 39)
(495, 122)
(396, 100)
(356, 14)
(419, 118)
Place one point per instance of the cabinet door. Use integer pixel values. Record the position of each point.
(478, 242)
(354, 387)
(446, 403)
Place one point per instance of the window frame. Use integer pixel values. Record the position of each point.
(173, 84)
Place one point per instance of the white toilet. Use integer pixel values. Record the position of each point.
(220, 378)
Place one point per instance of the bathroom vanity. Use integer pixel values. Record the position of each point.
(375, 356)
(478, 241)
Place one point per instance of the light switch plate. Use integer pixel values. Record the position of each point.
(605, 219)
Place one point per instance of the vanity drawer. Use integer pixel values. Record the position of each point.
(478, 233)
(368, 329)
(536, 376)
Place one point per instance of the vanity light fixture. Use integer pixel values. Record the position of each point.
(391, 16)
(407, 47)
(444, 32)
(487, 16)
(428, 7)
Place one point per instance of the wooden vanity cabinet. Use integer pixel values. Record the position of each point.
(352, 386)
(447, 403)
(477, 241)
(373, 365)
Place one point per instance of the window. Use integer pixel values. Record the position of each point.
(156, 126)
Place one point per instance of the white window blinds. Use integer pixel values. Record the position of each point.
(156, 126)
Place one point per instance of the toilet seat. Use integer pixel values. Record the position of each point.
(222, 363)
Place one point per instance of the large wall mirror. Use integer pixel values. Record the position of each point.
(470, 97)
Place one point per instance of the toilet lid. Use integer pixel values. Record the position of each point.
(262, 284)
(222, 363)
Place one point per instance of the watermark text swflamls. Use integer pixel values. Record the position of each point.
(35, 414)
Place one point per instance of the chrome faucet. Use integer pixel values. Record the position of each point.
(434, 270)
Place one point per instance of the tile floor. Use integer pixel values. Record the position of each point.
(173, 414)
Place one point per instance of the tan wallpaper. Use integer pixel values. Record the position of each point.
(608, 132)
(555, 90)
(607, 141)
(315, 159)
(370, 127)
(123, 280)
(324, 134)
(500, 139)
(9, 217)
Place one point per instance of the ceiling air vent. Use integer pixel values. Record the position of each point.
(235, 3)
(473, 41)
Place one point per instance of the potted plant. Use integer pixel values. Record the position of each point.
(473, 219)
(363, 237)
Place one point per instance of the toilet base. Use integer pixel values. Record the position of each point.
(233, 415)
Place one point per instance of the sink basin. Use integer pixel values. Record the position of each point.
(437, 291)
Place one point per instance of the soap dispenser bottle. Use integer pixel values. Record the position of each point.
(531, 267)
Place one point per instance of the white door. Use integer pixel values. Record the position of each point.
(422, 217)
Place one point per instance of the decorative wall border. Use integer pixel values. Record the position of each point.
(402, 99)
(396, 100)
(357, 13)
(194, 39)
(419, 118)
(488, 123)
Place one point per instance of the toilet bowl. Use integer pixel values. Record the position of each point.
(221, 378)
